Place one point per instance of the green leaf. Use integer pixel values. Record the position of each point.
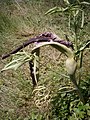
(67, 2)
(86, 3)
(57, 10)
(19, 59)
(83, 48)
(82, 24)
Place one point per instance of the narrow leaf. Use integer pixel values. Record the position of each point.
(57, 10)
(87, 3)
(18, 60)
(82, 24)
(51, 10)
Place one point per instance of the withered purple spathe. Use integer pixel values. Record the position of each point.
(44, 37)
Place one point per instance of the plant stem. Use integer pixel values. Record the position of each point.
(80, 66)
(34, 67)
(75, 31)
(72, 78)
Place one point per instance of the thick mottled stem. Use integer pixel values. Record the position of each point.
(73, 79)
(71, 66)
(34, 67)
(31, 65)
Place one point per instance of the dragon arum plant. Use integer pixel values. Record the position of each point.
(75, 12)
(33, 58)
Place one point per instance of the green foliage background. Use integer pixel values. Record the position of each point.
(55, 98)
